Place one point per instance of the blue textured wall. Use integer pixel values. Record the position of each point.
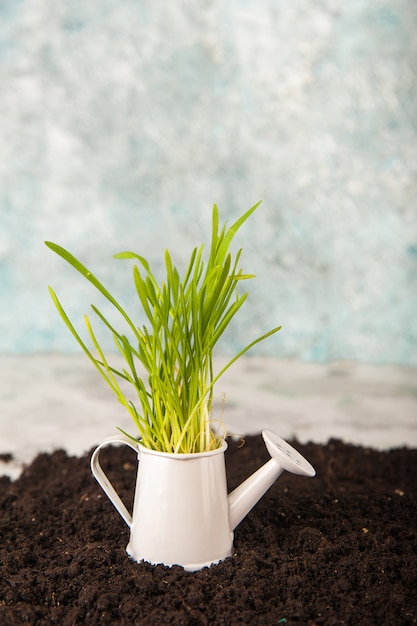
(122, 121)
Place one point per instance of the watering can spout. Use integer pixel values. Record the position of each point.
(283, 457)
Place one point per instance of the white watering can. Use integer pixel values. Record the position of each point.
(182, 514)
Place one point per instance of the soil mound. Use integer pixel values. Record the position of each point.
(340, 548)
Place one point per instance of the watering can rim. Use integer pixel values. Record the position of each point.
(179, 456)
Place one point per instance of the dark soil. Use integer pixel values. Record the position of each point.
(340, 548)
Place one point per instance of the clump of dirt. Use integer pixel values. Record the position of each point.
(340, 548)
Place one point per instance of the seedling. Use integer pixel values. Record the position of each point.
(186, 318)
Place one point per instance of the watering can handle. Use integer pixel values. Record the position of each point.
(104, 482)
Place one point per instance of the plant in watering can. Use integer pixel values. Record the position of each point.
(180, 453)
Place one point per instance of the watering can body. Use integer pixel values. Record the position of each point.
(182, 513)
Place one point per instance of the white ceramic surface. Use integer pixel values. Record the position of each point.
(50, 401)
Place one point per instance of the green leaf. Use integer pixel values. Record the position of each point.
(232, 232)
(186, 316)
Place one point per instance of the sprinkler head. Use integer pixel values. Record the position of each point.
(286, 456)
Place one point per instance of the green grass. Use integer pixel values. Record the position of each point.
(185, 319)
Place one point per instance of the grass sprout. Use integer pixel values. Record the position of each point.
(185, 318)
